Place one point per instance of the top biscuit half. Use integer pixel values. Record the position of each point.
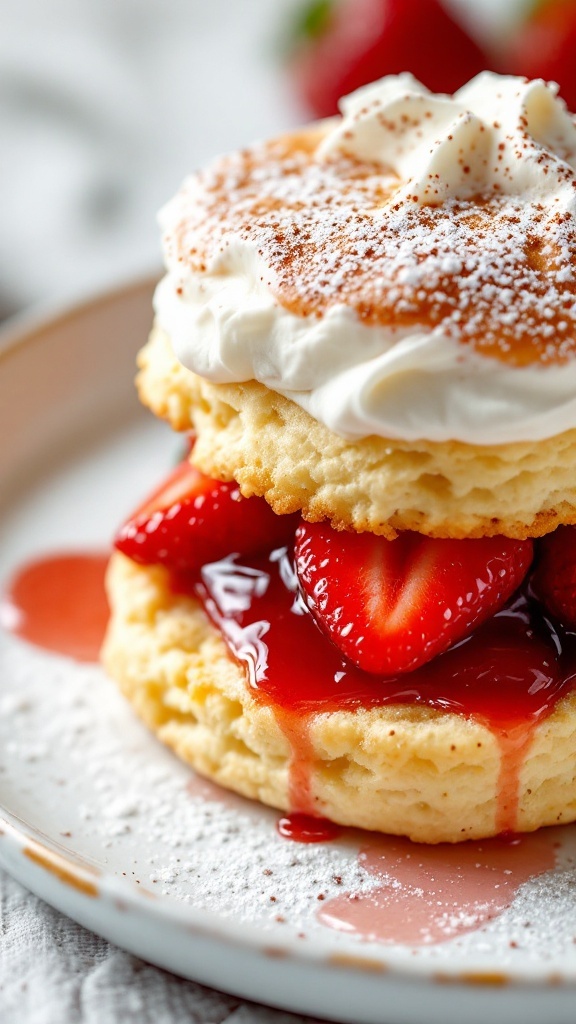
(374, 320)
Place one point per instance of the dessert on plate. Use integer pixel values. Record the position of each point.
(356, 597)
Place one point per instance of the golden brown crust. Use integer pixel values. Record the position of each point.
(405, 770)
(333, 229)
(275, 449)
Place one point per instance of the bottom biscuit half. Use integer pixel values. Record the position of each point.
(406, 770)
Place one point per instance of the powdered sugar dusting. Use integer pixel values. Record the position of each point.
(406, 272)
(494, 272)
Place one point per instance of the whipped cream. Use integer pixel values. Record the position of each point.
(496, 137)
(497, 133)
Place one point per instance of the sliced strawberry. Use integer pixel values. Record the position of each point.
(349, 43)
(554, 580)
(391, 606)
(192, 519)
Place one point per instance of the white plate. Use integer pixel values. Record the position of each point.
(102, 822)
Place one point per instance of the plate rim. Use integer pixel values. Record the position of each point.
(25, 839)
(25, 326)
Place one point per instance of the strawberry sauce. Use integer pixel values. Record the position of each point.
(508, 675)
(58, 603)
(430, 894)
(303, 828)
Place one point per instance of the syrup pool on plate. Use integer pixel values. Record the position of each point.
(413, 894)
(58, 602)
(430, 894)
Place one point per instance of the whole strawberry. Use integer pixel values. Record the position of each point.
(545, 47)
(352, 42)
(554, 581)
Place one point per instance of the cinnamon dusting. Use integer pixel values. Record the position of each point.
(495, 272)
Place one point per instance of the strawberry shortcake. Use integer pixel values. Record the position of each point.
(356, 597)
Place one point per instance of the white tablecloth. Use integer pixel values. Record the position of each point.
(53, 971)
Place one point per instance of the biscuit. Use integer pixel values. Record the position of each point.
(275, 449)
(406, 770)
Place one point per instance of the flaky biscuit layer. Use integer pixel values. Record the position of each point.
(273, 448)
(405, 770)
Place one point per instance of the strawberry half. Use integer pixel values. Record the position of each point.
(554, 581)
(391, 606)
(191, 520)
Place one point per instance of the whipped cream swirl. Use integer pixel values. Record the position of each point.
(496, 134)
(496, 137)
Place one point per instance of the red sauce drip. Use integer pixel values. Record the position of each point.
(303, 828)
(430, 894)
(508, 675)
(58, 603)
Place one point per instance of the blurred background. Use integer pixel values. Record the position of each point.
(105, 105)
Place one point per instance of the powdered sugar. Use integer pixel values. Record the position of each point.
(495, 272)
(405, 272)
